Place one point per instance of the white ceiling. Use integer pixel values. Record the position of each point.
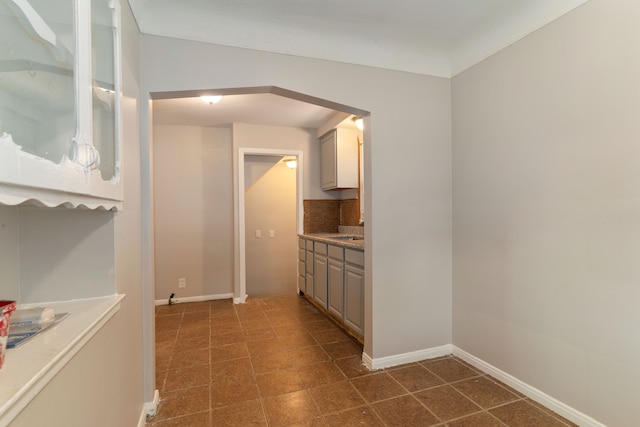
(432, 37)
(435, 37)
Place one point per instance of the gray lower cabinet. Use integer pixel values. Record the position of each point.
(302, 283)
(302, 266)
(333, 277)
(354, 298)
(354, 290)
(309, 268)
(320, 273)
(335, 284)
(335, 281)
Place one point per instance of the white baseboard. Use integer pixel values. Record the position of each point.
(401, 359)
(533, 393)
(149, 409)
(240, 300)
(194, 299)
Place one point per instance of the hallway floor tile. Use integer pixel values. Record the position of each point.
(280, 362)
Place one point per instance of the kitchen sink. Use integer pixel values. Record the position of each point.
(347, 237)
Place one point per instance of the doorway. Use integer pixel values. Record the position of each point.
(184, 108)
(269, 219)
(271, 225)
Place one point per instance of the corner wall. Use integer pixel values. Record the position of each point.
(546, 193)
(193, 201)
(104, 383)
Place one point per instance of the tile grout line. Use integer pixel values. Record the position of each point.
(294, 315)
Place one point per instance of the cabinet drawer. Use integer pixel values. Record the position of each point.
(302, 254)
(354, 257)
(309, 245)
(301, 268)
(320, 248)
(302, 244)
(336, 252)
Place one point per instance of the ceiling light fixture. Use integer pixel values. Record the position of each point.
(291, 162)
(358, 121)
(211, 99)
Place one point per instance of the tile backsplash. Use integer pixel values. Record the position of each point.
(352, 229)
(325, 216)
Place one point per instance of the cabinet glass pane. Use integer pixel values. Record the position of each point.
(104, 86)
(37, 90)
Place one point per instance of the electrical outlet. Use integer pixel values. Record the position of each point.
(272, 233)
(182, 282)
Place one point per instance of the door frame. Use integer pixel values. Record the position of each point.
(240, 273)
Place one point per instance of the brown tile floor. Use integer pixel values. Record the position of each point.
(280, 362)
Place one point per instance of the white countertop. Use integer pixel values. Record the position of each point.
(330, 238)
(28, 368)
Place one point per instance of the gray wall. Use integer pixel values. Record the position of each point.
(193, 211)
(286, 138)
(407, 172)
(193, 202)
(546, 161)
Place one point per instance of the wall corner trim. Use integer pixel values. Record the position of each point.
(149, 409)
(544, 399)
(401, 359)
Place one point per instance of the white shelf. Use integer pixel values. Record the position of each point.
(29, 368)
(26, 178)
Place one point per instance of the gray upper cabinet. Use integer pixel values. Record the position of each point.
(339, 151)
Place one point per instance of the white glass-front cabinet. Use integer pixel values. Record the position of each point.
(60, 103)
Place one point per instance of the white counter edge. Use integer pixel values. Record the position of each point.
(30, 367)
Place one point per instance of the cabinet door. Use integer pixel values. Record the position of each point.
(302, 267)
(339, 159)
(308, 283)
(105, 75)
(354, 298)
(335, 285)
(302, 284)
(328, 163)
(309, 263)
(320, 279)
(37, 78)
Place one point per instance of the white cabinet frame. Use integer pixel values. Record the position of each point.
(75, 180)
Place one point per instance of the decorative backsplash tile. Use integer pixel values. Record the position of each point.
(358, 230)
(324, 216)
(349, 212)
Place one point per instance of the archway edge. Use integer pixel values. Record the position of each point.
(274, 90)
